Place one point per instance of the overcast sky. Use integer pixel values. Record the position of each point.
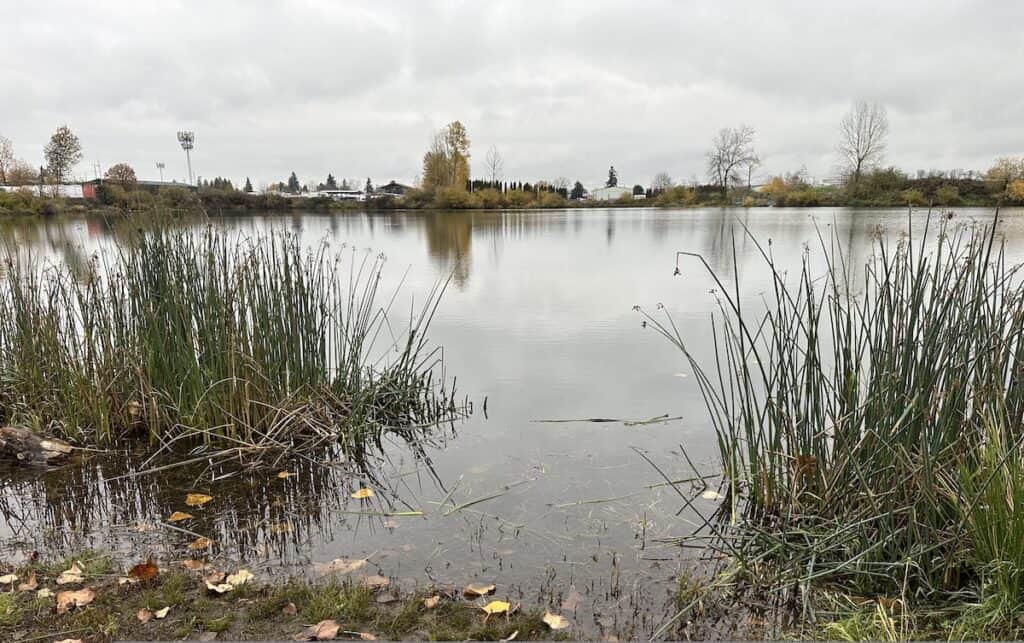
(561, 88)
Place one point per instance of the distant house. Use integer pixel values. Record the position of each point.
(339, 195)
(90, 189)
(393, 188)
(67, 190)
(610, 194)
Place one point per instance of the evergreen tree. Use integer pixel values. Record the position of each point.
(578, 191)
(369, 186)
(332, 183)
(613, 178)
(248, 185)
(293, 184)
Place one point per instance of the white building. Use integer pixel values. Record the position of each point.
(610, 194)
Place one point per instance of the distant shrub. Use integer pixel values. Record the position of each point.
(517, 198)
(448, 198)
(489, 198)
(551, 200)
(914, 196)
(947, 195)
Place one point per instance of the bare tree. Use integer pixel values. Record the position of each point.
(494, 164)
(862, 135)
(731, 150)
(661, 182)
(7, 159)
(752, 164)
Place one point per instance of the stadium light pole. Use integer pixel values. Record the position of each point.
(188, 141)
(160, 166)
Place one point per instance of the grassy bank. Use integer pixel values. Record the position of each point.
(123, 607)
(245, 344)
(870, 423)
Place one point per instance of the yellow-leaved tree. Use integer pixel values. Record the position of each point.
(446, 163)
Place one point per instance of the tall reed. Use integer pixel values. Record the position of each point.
(866, 416)
(206, 336)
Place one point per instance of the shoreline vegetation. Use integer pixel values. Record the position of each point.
(870, 423)
(247, 347)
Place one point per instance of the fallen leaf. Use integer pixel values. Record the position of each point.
(161, 613)
(362, 493)
(555, 621)
(366, 636)
(45, 592)
(342, 565)
(432, 602)
(512, 636)
(144, 571)
(289, 610)
(67, 600)
(127, 580)
(195, 565)
(179, 516)
(219, 588)
(711, 494)
(197, 499)
(30, 583)
(144, 615)
(284, 475)
(241, 577)
(72, 575)
(571, 601)
(496, 607)
(199, 543)
(322, 631)
(8, 579)
(376, 581)
(216, 577)
(474, 590)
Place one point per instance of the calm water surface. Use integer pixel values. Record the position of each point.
(539, 320)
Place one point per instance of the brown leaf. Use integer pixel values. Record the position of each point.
(289, 610)
(195, 565)
(432, 602)
(144, 615)
(341, 565)
(144, 571)
(199, 543)
(376, 581)
(322, 631)
(197, 499)
(178, 516)
(68, 600)
(216, 577)
(366, 636)
(30, 583)
(473, 590)
(362, 493)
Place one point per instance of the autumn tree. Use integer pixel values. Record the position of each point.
(1003, 172)
(122, 174)
(731, 150)
(21, 173)
(494, 164)
(446, 163)
(62, 153)
(862, 134)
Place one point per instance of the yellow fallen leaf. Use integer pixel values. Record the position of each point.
(8, 579)
(555, 621)
(161, 613)
(376, 581)
(362, 493)
(45, 592)
(284, 475)
(241, 577)
(144, 615)
(496, 607)
(197, 499)
(68, 600)
(178, 516)
(68, 576)
(30, 583)
(219, 588)
(477, 589)
(199, 543)
(366, 636)
(432, 602)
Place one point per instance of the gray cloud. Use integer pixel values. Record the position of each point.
(562, 88)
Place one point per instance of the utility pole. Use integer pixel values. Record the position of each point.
(188, 142)
(160, 166)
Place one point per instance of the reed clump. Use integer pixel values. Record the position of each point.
(870, 422)
(178, 335)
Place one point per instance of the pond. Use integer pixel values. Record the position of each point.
(540, 329)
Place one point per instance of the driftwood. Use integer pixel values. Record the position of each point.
(30, 448)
